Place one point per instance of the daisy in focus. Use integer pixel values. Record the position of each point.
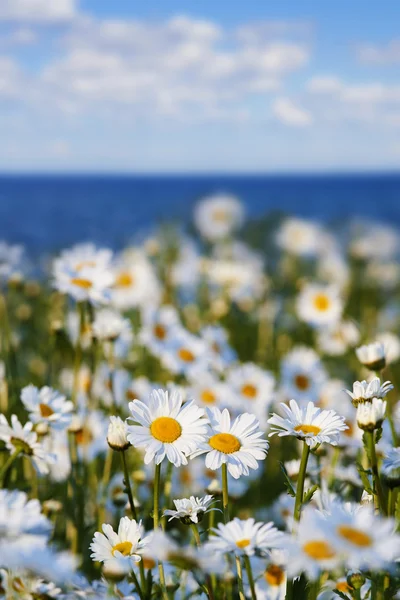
(246, 537)
(239, 445)
(123, 546)
(165, 428)
(311, 424)
(46, 405)
(190, 510)
(364, 391)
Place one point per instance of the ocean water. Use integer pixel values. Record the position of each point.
(46, 213)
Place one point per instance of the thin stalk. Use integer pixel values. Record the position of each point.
(370, 441)
(390, 504)
(156, 524)
(8, 463)
(249, 570)
(300, 482)
(240, 578)
(357, 594)
(128, 485)
(196, 536)
(78, 352)
(225, 495)
(137, 586)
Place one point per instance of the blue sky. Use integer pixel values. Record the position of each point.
(179, 86)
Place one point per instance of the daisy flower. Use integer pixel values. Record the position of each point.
(184, 353)
(251, 388)
(336, 340)
(190, 510)
(372, 356)
(319, 305)
(165, 428)
(364, 391)
(46, 405)
(239, 445)
(121, 547)
(312, 551)
(370, 415)
(217, 217)
(116, 435)
(302, 374)
(84, 272)
(245, 537)
(135, 282)
(23, 439)
(109, 325)
(208, 389)
(21, 520)
(300, 237)
(311, 424)
(366, 540)
(271, 578)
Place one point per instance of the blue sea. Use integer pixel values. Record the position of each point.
(46, 213)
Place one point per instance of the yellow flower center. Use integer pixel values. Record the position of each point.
(342, 586)
(84, 264)
(354, 536)
(243, 543)
(302, 382)
(249, 390)
(123, 547)
(165, 429)
(322, 302)
(124, 280)
(186, 355)
(319, 550)
(84, 437)
(160, 331)
(45, 410)
(208, 397)
(274, 575)
(304, 428)
(220, 215)
(81, 282)
(225, 442)
(148, 563)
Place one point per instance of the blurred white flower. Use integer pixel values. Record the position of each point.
(217, 217)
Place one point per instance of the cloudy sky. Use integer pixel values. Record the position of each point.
(179, 85)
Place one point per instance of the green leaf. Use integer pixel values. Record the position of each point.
(288, 483)
(364, 475)
(309, 494)
(378, 435)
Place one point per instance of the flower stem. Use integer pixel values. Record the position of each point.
(127, 483)
(240, 578)
(249, 570)
(156, 524)
(300, 482)
(78, 351)
(8, 463)
(225, 496)
(378, 491)
(196, 535)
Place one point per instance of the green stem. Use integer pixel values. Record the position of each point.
(225, 495)
(390, 504)
(300, 482)
(378, 491)
(137, 586)
(78, 352)
(357, 594)
(8, 463)
(313, 590)
(127, 483)
(250, 576)
(240, 578)
(156, 524)
(197, 539)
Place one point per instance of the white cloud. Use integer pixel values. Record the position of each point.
(286, 111)
(37, 10)
(22, 36)
(179, 67)
(11, 79)
(371, 54)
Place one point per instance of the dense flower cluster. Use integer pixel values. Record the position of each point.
(203, 417)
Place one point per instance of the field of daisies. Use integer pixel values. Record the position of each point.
(211, 413)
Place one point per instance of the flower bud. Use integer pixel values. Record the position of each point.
(370, 415)
(355, 579)
(117, 434)
(372, 356)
